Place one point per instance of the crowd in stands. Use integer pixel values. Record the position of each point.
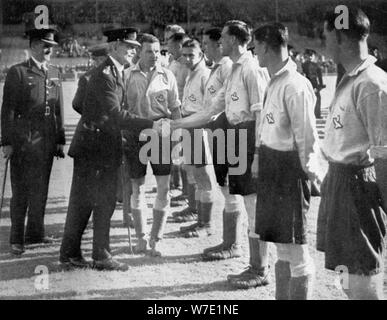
(70, 47)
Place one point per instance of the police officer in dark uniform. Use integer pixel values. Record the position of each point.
(97, 152)
(32, 134)
(81, 209)
(98, 54)
(313, 72)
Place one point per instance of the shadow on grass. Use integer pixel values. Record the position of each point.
(19, 267)
(55, 205)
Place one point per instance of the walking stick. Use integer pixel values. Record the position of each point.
(3, 186)
(125, 200)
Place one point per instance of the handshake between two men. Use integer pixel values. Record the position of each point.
(164, 127)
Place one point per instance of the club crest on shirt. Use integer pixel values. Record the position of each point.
(234, 97)
(192, 98)
(211, 90)
(160, 98)
(337, 122)
(270, 118)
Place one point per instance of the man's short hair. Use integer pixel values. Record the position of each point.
(358, 24)
(275, 35)
(240, 30)
(147, 38)
(310, 52)
(179, 37)
(214, 34)
(192, 43)
(174, 28)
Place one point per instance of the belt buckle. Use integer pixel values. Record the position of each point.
(47, 112)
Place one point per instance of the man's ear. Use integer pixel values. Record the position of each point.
(33, 44)
(266, 47)
(233, 39)
(114, 46)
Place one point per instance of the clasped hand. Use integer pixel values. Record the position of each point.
(163, 127)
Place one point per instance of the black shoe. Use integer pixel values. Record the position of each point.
(44, 240)
(250, 278)
(17, 249)
(180, 197)
(185, 215)
(48, 240)
(224, 253)
(77, 262)
(110, 264)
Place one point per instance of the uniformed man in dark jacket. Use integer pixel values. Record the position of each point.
(98, 54)
(97, 153)
(32, 134)
(313, 72)
(81, 209)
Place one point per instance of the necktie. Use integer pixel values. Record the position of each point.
(44, 69)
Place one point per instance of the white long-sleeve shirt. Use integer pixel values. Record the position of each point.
(152, 98)
(287, 119)
(195, 84)
(220, 72)
(242, 94)
(358, 116)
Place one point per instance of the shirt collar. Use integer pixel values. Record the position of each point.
(118, 65)
(39, 64)
(369, 61)
(158, 68)
(244, 57)
(201, 65)
(221, 61)
(181, 60)
(290, 66)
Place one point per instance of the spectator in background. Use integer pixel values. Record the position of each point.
(171, 29)
(381, 63)
(75, 48)
(313, 72)
(295, 57)
(374, 51)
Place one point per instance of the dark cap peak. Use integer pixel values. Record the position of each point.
(46, 35)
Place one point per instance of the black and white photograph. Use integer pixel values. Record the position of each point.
(193, 154)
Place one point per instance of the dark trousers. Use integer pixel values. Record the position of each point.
(317, 108)
(93, 190)
(30, 176)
